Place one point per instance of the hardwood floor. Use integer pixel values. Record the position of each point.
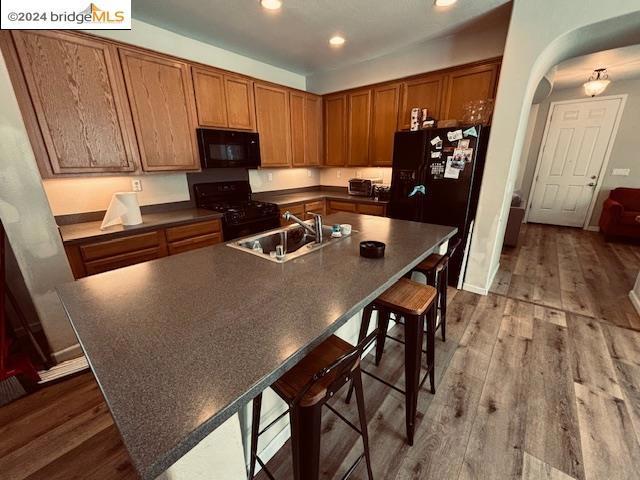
(538, 380)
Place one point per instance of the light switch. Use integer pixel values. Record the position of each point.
(339, 173)
(270, 177)
(136, 185)
(621, 172)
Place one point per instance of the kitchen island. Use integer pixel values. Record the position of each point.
(178, 345)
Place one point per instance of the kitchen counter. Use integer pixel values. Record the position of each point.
(179, 344)
(311, 195)
(78, 232)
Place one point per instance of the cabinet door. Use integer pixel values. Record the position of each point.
(385, 117)
(272, 115)
(76, 88)
(297, 101)
(211, 102)
(474, 83)
(240, 104)
(335, 130)
(359, 126)
(161, 97)
(425, 92)
(313, 129)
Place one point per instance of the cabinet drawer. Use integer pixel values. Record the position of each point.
(296, 209)
(110, 248)
(182, 232)
(369, 209)
(122, 260)
(194, 242)
(342, 206)
(317, 207)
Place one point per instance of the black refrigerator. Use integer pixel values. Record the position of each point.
(436, 179)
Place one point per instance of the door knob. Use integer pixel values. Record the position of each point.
(592, 184)
(593, 177)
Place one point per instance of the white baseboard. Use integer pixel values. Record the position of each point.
(635, 300)
(69, 353)
(592, 228)
(63, 369)
(469, 287)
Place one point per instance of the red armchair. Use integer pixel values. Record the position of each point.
(621, 214)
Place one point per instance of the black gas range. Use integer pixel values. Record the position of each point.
(242, 215)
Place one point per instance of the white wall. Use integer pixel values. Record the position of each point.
(541, 35)
(443, 52)
(339, 177)
(625, 152)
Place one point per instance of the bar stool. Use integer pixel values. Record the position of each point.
(415, 303)
(306, 388)
(436, 268)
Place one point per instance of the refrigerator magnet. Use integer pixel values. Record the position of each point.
(463, 154)
(436, 154)
(454, 135)
(464, 143)
(450, 171)
(435, 140)
(471, 132)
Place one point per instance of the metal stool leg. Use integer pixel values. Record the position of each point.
(431, 347)
(357, 383)
(383, 325)
(305, 441)
(255, 429)
(414, 328)
(364, 328)
(443, 305)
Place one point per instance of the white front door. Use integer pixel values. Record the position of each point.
(577, 139)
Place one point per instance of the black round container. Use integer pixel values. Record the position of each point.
(372, 249)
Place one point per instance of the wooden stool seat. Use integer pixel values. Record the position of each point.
(408, 297)
(291, 383)
(428, 263)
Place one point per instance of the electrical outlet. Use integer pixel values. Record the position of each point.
(136, 185)
(270, 176)
(308, 172)
(339, 173)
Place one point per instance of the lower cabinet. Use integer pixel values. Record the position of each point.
(304, 210)
(94, 257)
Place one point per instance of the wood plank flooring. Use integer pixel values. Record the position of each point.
(538, 380)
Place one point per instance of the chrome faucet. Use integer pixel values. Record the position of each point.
(316, 230)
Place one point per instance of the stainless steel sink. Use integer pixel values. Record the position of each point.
(295, 240)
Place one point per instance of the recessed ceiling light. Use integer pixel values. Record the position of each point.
(336, 40)
(271, 4)
(445, 3)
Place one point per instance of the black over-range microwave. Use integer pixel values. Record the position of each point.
(228, 148)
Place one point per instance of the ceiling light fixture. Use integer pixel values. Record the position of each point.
(336, 41)
(271, 4)
(445, 3)
(597, 83)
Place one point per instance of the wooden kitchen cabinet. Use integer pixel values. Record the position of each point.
(424, 92)
(78, 96)
(296, 209)
(274, 125)
(465, 84)
(96, 256)
(222, 100)
(296, 103)
(335, 130)
(385, 118)
(313, 129)
(334, 206)
(340, 206)
(359, 128)
(161, 96)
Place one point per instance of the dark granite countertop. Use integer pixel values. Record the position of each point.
(311, 195)
(180, 344)
(78, 232)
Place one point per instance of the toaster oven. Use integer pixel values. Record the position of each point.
(363, 186)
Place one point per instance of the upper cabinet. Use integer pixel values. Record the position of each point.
(424, 92)
(222, 100)
(335, 130)
(313, 129)
(274, 125)
(383, 128)
(296, 103)
(359, 127)
(82, 114)
(161, 97)
(465, 84)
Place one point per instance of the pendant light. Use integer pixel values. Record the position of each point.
(597, 83)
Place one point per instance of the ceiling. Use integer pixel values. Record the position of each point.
(296, 37)
(621, 63)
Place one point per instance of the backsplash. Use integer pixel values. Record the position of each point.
(89, 194)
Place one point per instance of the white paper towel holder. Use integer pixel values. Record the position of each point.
(123, 208)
